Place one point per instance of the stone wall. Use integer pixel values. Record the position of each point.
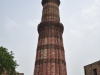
(92, 69)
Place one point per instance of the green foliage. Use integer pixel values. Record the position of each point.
(7, 62)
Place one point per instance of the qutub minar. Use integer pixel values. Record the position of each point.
(50, 57)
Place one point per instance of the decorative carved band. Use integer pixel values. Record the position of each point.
(51, 14)
(49, 35)
(57, 61)
(50, 46)
(50, 25)
(47, 7)
(46, 1)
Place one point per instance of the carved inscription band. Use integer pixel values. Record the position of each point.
(57, 61)
(50, 35)
(50, 46)
(51, 14)
(50, 25)
(48, 7)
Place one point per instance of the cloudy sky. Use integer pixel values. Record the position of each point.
(81, 20)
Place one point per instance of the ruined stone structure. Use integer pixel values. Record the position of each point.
(92, 69)
(50, 57)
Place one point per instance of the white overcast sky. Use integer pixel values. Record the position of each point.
(81, 20)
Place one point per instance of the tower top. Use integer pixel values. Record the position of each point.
(46, 1)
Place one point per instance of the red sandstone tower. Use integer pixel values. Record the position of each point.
(50, 57)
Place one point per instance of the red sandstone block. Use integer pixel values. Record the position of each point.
(48, 55)
(47, 40)
(39, 54)
(40, 72)
(56, 54)
(52, 53)
(52, 40)
(44, 69)
(59, 54)
(57, 69)
(48, 68)
(52, 68)
(40, 42)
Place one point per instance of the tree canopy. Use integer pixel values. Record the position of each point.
(7, 62)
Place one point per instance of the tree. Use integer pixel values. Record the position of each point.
(7, 62)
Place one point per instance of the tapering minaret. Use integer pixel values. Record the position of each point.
(50, 57)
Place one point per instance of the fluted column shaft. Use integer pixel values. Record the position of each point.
(50, 12)
(50, 57)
